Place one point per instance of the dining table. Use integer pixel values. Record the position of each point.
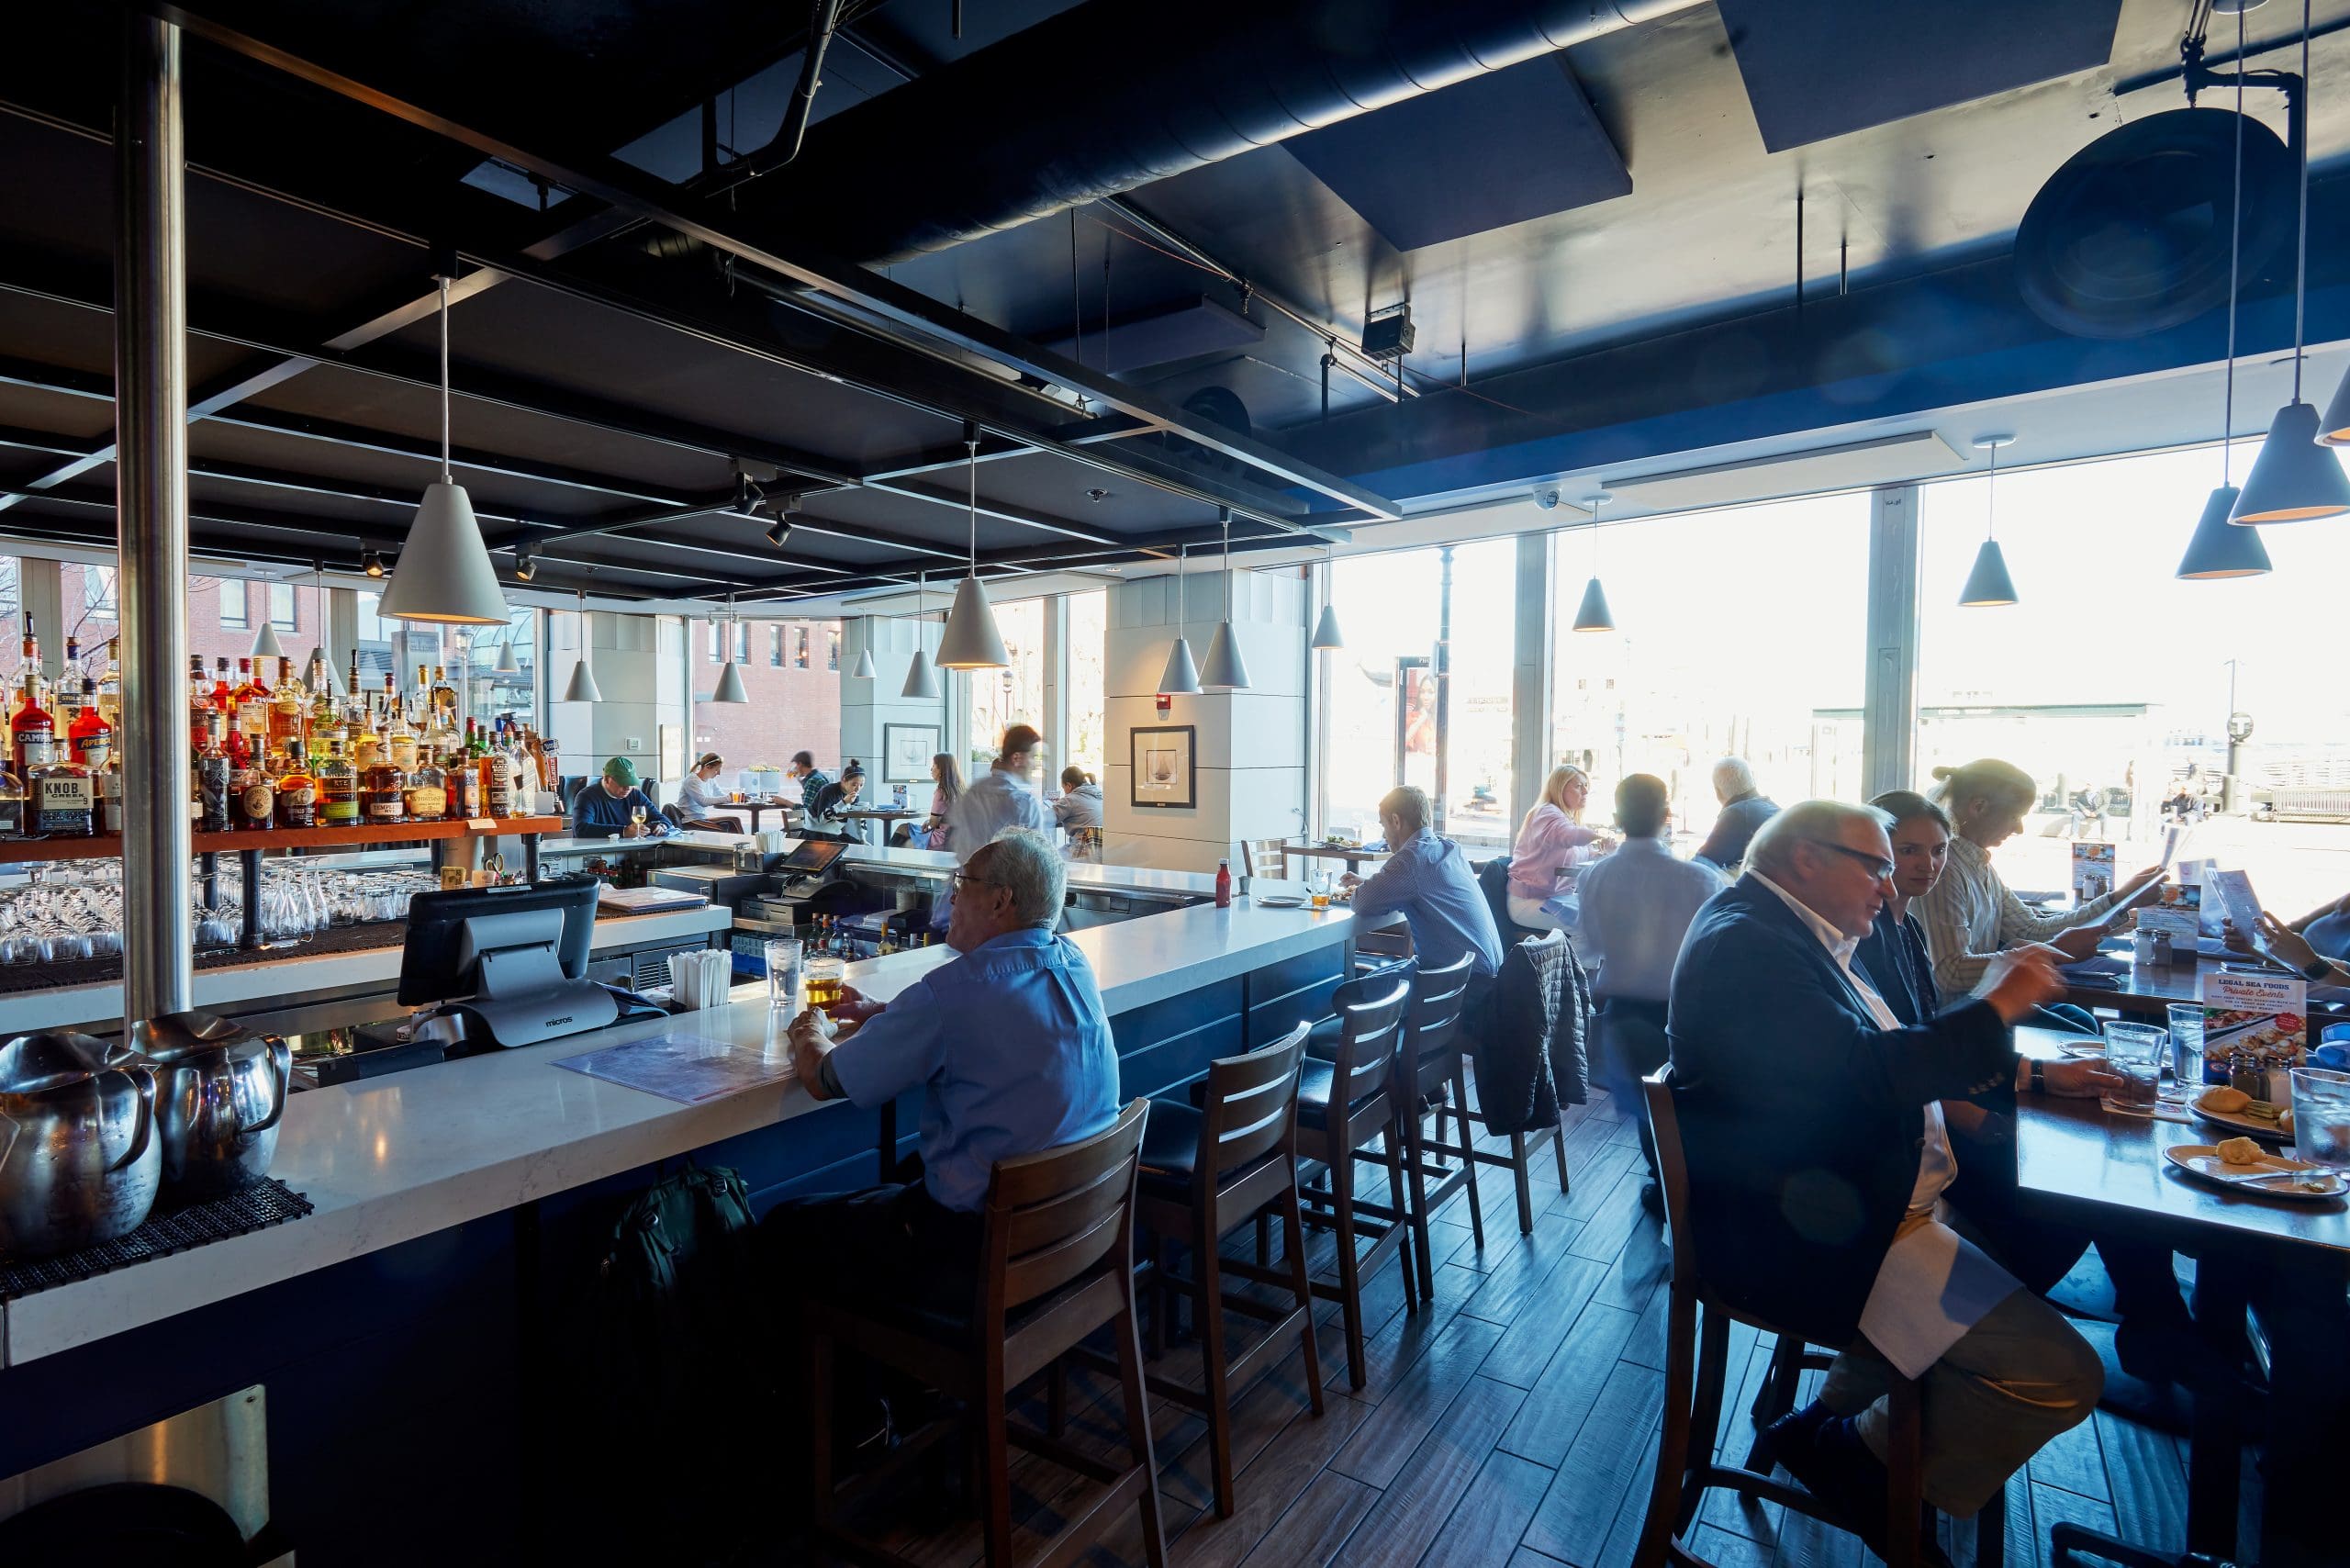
(1356, 856)
(754, 808)
(2113, 981)
(2285, 1259)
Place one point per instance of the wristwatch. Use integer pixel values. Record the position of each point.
(2039, 1076)
(2319, 969)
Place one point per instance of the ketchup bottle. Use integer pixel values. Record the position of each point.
(1224, 884)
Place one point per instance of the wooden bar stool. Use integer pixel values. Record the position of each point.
(1344, 1106)
(1697, 1357)
(1206, 1173)
(1431, 1059)
(1055, 1267)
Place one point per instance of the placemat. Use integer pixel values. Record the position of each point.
(257, 1207)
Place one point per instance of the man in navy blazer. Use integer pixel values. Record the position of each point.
(1811, 1123)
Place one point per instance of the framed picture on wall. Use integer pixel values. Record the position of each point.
(906, 751)
(1166, 769)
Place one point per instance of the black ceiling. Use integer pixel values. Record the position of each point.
(633, 323)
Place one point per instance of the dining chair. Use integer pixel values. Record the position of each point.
(1467, 1108)
(1206, 1173)
(1054, 1269)
(1266, 857)
(1346, 1113)
(1697, 1357)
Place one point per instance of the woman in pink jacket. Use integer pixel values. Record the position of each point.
(1551, 845)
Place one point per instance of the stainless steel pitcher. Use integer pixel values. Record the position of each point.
(220, 1092)
(79, 1158)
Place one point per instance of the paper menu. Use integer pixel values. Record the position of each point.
(2235, 898)
(2262, 1017)
(2178, 909)
(2092, 871)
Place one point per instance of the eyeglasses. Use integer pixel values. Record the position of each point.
(959, 879)
(1879, 870)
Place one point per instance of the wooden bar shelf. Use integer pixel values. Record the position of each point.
(108, 847)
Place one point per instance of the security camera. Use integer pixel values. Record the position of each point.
(1547, 499)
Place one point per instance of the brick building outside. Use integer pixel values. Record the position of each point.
(791, 673)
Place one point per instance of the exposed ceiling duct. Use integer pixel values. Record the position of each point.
(939, 161)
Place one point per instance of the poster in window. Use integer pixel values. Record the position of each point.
(1165, 772)
(906, 751)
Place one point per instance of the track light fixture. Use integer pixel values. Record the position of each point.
(373, 562)
(779, 530)
(526, 565)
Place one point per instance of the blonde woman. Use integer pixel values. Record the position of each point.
(1552, 843)
(1969, 914)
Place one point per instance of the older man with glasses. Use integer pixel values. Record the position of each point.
(1009, 1047)
(1811, 1120)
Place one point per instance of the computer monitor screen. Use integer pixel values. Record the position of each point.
(814, 854)
(451, 932)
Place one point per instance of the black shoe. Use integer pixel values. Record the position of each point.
(1652, 1199)
(1794, 1433)
(1838, 1468)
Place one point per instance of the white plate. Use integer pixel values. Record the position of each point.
(1280, 900)
(2202, 1159)
(2236, 1122)
(2086, 1047)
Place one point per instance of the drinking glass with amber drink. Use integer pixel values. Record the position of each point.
(823, 980)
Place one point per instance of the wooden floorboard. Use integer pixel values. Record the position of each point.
(1510, 1423)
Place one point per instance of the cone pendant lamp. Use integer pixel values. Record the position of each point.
(730, 679)
(2219, 548)
(1224, 669)
(1593, 615)
(922, 680)
(444, 574)
(1181, 677)
(2294, 478)
(1989, 585)
(1327, 636)
(971, 641)
(266, 646)
(507, 663)
(865, 670)
(582, 686)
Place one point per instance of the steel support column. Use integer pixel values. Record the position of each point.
(1889, 697)
(150, 428)
(1530, 687)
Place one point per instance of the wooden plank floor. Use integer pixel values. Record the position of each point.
(1511, 1423)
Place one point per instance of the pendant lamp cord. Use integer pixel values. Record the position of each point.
(2235, 238)
(2302, 237)
(971, 446)
(1991, 498)
(1228, 562)
(1595, 504)
(1182, 597)
(446, 477)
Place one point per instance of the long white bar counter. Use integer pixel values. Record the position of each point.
(389, 1159)
(228, 985)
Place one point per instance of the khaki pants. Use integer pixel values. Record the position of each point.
(2015, 1380)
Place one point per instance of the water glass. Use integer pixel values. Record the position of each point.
(2322, 1115)
(783, 971)
(2133, 1054)
(2187, 1042)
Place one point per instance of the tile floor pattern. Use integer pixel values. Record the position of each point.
(1513, 1425)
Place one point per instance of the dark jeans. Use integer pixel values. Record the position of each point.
(1632, 1045)
(894, 1248)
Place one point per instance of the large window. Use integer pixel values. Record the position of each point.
(1014, 695)
(233, 614)
(2111, 682)
(1089, 638)
(1738, 632)
(1382, 721)
(489, 695)
(282, 613)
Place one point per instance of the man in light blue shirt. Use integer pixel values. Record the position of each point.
(1428, 879)
(999, 799)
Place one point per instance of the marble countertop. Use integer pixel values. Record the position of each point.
(1088, 874)
(294, 976)
(389, 1160)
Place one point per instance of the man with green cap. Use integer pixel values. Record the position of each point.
(613, 804)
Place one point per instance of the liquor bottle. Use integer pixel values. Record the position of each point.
(367, 743)
(464, 787)
(289, 710)
(68, 714)
(71, 673)
(444, 696)
(110, 685)
(427, 790)
(64, 800)
(109, 780)
(338, 790)
(382, 793)
(200, 697)
(251, 700)
(402, 742)
(496, 780)
(224, 697)
(253, 800)
(351, 687)
(90, 730)
(298, 789)
(212, 776)
(30, 724)
(12, 801)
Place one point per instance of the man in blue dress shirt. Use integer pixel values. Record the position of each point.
(1428, 879)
